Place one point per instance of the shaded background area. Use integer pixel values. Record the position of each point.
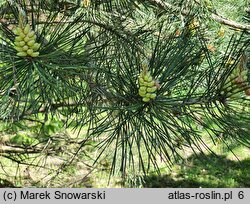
(204, 171)
(208, 171)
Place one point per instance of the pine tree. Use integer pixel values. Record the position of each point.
(145, 77)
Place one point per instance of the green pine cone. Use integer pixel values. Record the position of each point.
(147, 87)
(25, 42)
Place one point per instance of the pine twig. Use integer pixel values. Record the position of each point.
(214, 16)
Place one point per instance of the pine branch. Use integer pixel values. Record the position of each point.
(230, 23)
(18, 149)
(5, 149)
(214, 16)
(109, 103)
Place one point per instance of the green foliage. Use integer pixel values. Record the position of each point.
(52, 127)
(24, 140)
(87, 75)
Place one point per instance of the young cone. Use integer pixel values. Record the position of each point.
(25, 43)
(147, 86)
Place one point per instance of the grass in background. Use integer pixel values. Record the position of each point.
(223, 170)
